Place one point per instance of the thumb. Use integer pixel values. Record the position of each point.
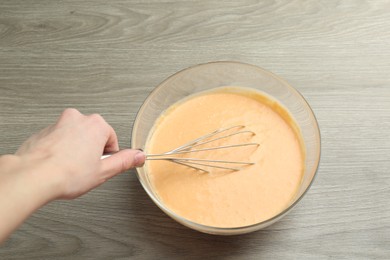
(122, 161)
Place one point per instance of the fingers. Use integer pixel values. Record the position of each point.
(121, 161)
(112, 141)
(73, 115)
(118, 162)
(68, 114)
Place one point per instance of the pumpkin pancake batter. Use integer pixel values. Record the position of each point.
(224, 198)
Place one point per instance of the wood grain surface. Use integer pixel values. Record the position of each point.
(106, 56)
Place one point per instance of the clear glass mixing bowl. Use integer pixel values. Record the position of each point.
(217, 74)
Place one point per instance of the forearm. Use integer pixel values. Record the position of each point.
(24, 187)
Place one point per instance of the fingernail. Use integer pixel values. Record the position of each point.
(139, 159)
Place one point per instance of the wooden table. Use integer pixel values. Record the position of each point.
(106, 56)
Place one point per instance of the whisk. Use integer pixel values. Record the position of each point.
(192, 147)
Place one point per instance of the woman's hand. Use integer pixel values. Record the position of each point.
(63, 161)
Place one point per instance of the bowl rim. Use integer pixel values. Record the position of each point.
(240, 229)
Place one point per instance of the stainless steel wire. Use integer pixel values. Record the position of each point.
(199, 164)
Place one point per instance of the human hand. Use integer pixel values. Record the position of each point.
(69, 153)
(63, 161)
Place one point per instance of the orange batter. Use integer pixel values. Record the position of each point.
(223, 198)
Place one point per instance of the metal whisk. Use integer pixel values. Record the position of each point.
(195, 163)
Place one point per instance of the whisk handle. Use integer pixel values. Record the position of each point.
(106, 155)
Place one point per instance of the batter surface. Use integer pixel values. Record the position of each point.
(224, 198)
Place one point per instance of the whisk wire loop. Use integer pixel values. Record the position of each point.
(205, 139)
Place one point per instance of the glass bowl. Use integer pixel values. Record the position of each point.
(217, 74)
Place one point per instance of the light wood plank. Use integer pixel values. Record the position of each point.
(105, 57)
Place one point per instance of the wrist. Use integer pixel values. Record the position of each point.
(42, 178)
(32, 177)
(22, 191)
